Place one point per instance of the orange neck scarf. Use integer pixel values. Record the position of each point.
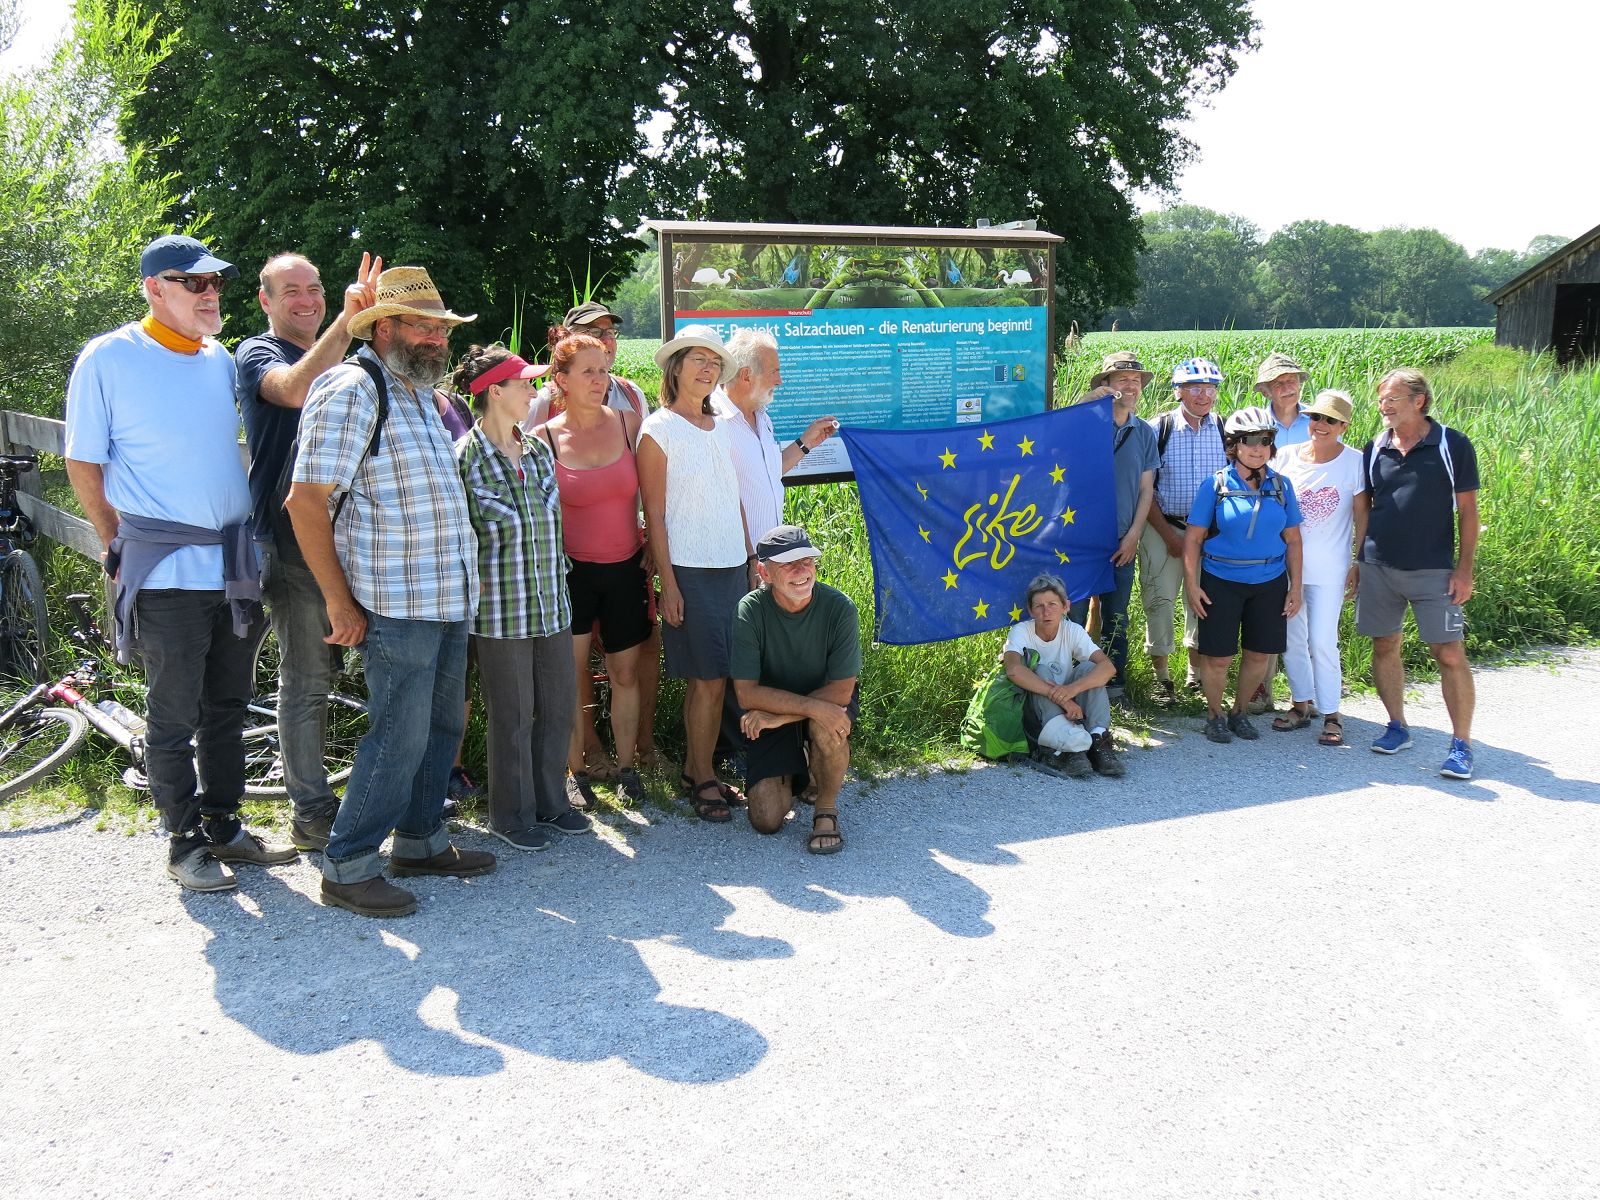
(170, 338)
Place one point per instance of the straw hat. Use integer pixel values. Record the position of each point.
(1332, 403)
(405, 292)
(1122, 360)
(1276, 365)
(702, 336)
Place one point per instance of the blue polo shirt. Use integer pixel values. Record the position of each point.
(1413, 522)
(1248, 527)
(269, 429)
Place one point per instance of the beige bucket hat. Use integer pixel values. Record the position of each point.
(1332, 403)
(1122, 360)
(405, 292)
(1275, 365)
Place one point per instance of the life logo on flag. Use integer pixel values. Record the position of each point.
(960, 519)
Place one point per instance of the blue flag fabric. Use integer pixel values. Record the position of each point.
(960, 519)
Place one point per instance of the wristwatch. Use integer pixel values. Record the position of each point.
(804, 449)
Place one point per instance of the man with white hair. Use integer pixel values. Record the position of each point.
(741, 402)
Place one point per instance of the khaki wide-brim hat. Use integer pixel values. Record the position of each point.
(1122, 360)
(405, 292)
(1276, 365)
(1332, 403)
(702, 336)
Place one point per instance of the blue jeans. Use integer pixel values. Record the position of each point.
(416, 693)
(1113, 621)
(305, 673)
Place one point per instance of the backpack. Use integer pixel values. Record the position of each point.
(282, 527)
(1273, 486)
(1370, 454)
(1165, 424)
(992, 727)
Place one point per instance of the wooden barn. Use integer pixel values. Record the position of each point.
(1554, 304)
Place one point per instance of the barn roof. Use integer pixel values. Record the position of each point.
(1543, 265)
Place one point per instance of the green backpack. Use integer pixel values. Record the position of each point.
(992, 727)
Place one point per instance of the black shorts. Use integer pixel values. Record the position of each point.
(614, 595)
(1247, 612)
(782, 751)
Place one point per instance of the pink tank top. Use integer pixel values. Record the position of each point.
(600, 509)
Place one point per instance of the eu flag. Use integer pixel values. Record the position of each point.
(960, 519)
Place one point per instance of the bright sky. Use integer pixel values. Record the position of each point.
(1473, 117)
(1467, 116)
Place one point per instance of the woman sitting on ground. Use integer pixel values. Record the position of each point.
(522, 626)
(1241, 563)
(1065, 708)
(1327, 477)
(697, 538)
(593, 445)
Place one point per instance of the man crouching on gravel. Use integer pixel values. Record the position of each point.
(796, 656)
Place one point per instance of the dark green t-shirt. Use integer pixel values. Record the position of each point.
(796, 652)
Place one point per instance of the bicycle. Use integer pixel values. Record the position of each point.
(24, 626)
(36, 738)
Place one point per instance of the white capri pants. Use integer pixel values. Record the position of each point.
(1311, 656)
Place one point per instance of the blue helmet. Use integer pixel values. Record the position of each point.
(1196, 370)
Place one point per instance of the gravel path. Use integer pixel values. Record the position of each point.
(1268, 970)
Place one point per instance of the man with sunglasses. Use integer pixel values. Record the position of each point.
(152, 452)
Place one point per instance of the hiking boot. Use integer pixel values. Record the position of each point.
(1242, 727)
(1103, 756)
(630, 788)
(312, 833)
(1165, 694)
(525, 839)
(462, 787)
(1394, 738)
(1074, 764)
(375, 897)
(1458, 763)
(199, 871)
(570, 822)
(449, 861)
(1217, 730)
(248, 847)
(1260, 702)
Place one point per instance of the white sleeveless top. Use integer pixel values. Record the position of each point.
(703, 525)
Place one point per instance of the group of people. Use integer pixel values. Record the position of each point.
(496, 522)
(1267, 522)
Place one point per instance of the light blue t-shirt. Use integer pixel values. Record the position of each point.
(1297, 431)
(1249, 528)
(163, 426)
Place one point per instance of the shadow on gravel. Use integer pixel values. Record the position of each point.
(51, 826)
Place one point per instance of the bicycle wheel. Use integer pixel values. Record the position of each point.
(23, 625)
(35, 744)
(347, 721)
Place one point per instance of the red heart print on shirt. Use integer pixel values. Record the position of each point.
(1318, 504)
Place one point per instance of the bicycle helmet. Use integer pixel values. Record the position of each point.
(1255, 419)
(1196, 370)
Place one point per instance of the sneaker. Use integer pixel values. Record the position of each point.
(375, 897)
(525, 839)
(462, 787)
(1394, 738)
(570, 822)
(1458, 763)
(1217, 729)
(312, 833)
(1193, 686)
(199, 871)
(1166, 693)
(248, 847)
(449, 861)
(630, 788)
(1241, 726)
(580, 790)
(1103, 756)
(1260, 702)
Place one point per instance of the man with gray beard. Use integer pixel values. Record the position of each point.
(381, 518)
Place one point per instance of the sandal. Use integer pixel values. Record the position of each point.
(816, 844)
(598, 767)
(1332, 731)
(1298, 717)
(711, 811)
(731, 796)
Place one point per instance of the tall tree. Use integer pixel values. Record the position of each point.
(1196, 271)
(1313, 274)
(1421, 277)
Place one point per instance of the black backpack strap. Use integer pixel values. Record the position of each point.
(375, 439)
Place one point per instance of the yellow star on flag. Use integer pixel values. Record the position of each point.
(924, 533)
(923, 490)
(1058, 473)
(1069, 516)
(980, 610)
(949, 578)
(1016, 612)
(948, 458)
(1061, 556)
(986, 440)
(1026, 446)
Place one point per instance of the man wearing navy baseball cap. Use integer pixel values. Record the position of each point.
(152, 451)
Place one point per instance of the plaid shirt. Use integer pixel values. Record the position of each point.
(1190, 459)
(516, 512)
(404, 537)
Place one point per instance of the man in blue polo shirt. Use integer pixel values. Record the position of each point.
(1421, 515)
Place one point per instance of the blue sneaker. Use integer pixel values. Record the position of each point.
(1458, 763)
(1395, 738)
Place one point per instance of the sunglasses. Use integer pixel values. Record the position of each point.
(198, 284)
(1325, 418)
(1256, 439)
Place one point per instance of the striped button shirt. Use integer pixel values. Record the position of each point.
(516, 513)
(404, 537)
(1191, 457)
